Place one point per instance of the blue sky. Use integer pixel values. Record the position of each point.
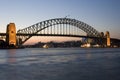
(103, 15)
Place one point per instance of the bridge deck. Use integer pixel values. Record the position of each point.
(62, 35)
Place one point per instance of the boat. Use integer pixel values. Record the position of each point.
(45, 46)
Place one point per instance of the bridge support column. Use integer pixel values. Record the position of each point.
(108, 39)
(11, 35)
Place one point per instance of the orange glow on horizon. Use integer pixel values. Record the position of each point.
(34, 40)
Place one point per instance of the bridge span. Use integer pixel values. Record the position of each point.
(65, 27)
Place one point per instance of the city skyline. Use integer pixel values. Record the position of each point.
(103, 15)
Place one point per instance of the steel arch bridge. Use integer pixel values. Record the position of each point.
(57, 27)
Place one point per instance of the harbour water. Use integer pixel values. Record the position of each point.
(60, 64)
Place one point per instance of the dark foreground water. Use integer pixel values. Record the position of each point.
(60, 64)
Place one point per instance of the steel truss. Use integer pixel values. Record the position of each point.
(61, 22)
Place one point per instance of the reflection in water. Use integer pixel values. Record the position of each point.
(88, 55)
(11, 56)
(11, 72)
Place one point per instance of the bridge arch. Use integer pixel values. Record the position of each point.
(34, 29)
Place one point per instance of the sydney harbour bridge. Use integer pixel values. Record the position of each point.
(65, 27)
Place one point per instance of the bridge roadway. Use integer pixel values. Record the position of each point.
(62, 35)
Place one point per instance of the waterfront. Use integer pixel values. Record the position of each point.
(60, 64)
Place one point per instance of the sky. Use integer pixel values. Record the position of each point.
(103, 15)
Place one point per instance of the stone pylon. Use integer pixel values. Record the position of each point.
(11, 35)
(108, 39)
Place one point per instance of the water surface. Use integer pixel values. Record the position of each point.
(60, 64)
